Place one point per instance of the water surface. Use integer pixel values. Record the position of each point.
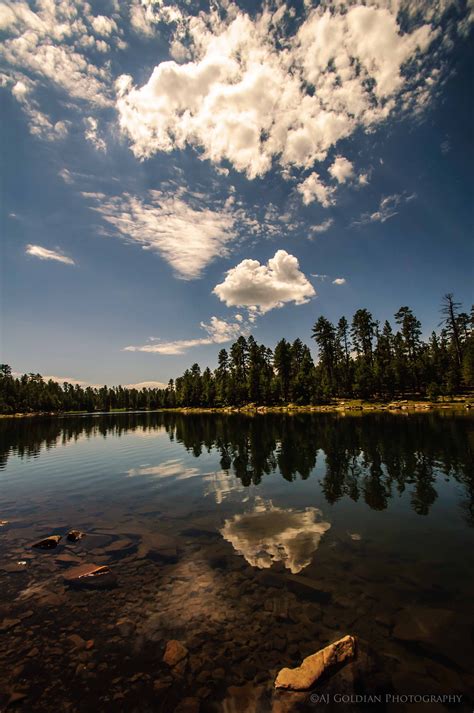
(254, 541)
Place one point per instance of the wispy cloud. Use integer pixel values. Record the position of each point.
(218, 331)
(322, 227)
(339, 281)
(46, 254)
(388, 208)
(180, 226)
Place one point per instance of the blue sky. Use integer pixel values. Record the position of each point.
(174, 175)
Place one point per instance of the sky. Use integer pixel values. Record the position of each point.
(177, 174)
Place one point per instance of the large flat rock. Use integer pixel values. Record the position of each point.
(305, 676)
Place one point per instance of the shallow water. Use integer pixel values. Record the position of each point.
(254, 541)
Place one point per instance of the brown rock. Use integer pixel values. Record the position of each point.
(126, 627)
(159, 547)
(7, 624)
(75, 535)
(77, 641)
(174, 652)
(188, 705)
(48, 543)
(306, 675)
(67, 559)
(90, 575)
(89, 644)
(162, 684)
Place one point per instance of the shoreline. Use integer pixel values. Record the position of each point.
(353, 406)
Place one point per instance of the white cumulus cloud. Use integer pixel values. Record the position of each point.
(341, 169)
(339, 281)
(46, 254)
(261, 288)
(248, 92)
(312, 188)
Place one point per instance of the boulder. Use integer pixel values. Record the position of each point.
(174, 652)
(91, 576)
(48, 543)
(312, 668)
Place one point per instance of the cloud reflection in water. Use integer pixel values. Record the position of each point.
(269, 534)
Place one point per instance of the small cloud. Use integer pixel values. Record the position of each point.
(66, 175)
(322, 227)
(313, 188)
(339, 281)
(445, 147)
(92, 134)
(45, 254)
(342, 169)
(363, 179)
(388, 207)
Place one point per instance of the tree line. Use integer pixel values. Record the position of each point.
(361, 359)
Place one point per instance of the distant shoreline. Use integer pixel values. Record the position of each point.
(353, 406)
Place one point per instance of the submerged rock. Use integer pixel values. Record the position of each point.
(91, 575)
(312, 668)
(75, 535)
(159, 547)
(48, 543)
(174, 652)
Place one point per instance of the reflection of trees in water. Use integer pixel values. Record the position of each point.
(373, 456)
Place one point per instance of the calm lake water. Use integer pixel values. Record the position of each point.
(254, 541)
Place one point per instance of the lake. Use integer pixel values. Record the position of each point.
(254, 541)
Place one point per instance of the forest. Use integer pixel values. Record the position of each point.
(361, 359)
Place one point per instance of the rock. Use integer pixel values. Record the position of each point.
(91, 576)
(188, 705)
(75, 535)
(243, 699)
(162, 684)
(16, 697)
(306, 675)
(77, 641)
(3, 523)
(174, 652)
(48, 543)
(126, 627)
(89, 644)
(13, 567)
(421, 624)
(159, 547)
(7, 624)
(118, 546)
(67, 559)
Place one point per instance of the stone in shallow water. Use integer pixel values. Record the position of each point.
(158, 546)
(422, 624)
(174, 652)
(75, 535)
(312, 668)
(91, 576)
(47, 543)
